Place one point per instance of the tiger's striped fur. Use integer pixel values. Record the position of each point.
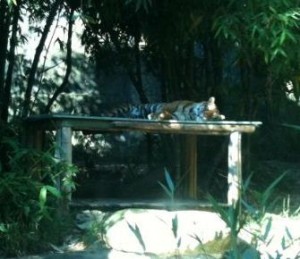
(177, 110)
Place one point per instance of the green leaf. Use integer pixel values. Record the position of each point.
(178, 242)
(267, 230)
(136, 230)
(3, 228)
(288, 233)
(43, 196)
(175, 225)
(223, 214)
(282, 37)
(169, 181)
(292, 126)
(247, 182)
(12, 2)
(283, 53)
(250, 209)
(283, 243)
(291, 37)
(167, 191)
(54, 191)
(272, 9)
(267, 193)
(253, 32)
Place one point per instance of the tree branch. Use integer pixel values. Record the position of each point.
(65, 82)
(135, 76)
(38, 52)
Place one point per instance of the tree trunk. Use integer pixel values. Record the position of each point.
(38, 52)
(11, 63)
(4, 29)
(137, 77)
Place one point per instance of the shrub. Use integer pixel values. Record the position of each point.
(29, 198)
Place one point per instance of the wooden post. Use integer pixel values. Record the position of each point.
(190, 165)
(177, 145)
(63, 152)
(234, 168)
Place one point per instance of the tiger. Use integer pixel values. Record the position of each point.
(183, 110)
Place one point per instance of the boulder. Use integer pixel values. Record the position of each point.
(162, 232)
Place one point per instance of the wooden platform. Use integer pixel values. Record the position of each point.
(96, 124)
(64, 125)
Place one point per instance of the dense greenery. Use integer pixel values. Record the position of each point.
(243, 52)
(29, 198)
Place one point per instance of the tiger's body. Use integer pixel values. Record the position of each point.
(177, 110)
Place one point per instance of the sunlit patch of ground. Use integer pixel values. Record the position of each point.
(275, 235)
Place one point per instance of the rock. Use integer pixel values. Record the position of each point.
(162, 232)
(87, 218)
(275, 237)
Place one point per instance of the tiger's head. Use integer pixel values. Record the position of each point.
(211, 111)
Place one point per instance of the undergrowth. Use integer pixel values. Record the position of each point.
(29, 216)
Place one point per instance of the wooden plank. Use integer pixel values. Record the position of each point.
(183, 128)
(94, 124)
(234, 168)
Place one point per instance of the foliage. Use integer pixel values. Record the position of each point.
(29, 200)
(237, 217)
(170, 187)
(25, 85)
(268, 27)
(243, 53)
(264, 36)
(136, 231)
(230, 49)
